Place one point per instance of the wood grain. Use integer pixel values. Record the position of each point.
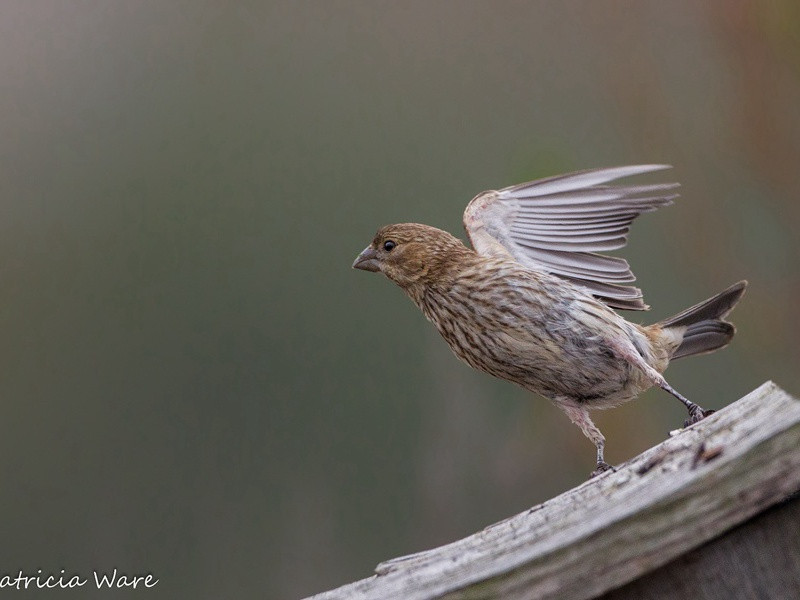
(759, 560)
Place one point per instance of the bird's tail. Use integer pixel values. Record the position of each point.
(706, 329)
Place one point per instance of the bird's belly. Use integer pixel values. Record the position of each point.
(553, 362)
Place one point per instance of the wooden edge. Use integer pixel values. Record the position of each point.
(610, 530)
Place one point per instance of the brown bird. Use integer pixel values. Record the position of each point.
(532, 303)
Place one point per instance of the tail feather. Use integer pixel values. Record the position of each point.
(704, 337)
(706, 330)
(716, 307)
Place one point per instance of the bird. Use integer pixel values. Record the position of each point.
(533, 300)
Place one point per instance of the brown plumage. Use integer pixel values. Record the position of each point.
(532, 302)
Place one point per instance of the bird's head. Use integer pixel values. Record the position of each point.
(411, 254)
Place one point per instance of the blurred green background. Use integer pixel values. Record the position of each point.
(196, 384)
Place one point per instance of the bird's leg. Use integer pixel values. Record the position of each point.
(696, 412)
(580, 416)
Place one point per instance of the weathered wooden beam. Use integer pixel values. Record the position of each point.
(615, 528)
(758, 559)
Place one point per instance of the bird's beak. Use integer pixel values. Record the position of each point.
(367, 260)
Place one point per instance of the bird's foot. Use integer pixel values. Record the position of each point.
(602, 467)
(696, 415)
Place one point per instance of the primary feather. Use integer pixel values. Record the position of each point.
(560, 224)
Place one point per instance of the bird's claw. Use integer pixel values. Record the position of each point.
(696, 416)
(602, 467)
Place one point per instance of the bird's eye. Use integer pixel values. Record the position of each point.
(389, 245)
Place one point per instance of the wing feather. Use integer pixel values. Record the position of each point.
(560, 224)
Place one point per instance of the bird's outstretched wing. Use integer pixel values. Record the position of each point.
(559, 224)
